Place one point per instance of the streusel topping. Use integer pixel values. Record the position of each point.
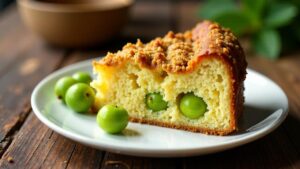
(178, 52)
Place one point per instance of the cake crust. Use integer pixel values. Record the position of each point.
(182, 53)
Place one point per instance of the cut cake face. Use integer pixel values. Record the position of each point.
(207, 62)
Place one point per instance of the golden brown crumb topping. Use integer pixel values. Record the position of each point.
(179, 52)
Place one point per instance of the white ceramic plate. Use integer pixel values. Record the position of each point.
(266, 106)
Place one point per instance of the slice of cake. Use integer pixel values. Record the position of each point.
(191, 81)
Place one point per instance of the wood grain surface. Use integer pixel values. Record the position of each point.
(25, 59)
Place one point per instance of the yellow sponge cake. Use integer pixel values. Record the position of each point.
(205, 64)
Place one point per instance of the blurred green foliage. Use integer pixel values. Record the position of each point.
(272, 25)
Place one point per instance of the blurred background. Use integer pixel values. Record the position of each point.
(37, 37)
(5, 3)
(266, 28)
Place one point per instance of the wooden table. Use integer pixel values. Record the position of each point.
(27, 143)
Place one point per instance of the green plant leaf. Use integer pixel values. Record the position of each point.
(254, 7)
(236, 20)
(267, 43)
(210, 9)
(280, 14)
